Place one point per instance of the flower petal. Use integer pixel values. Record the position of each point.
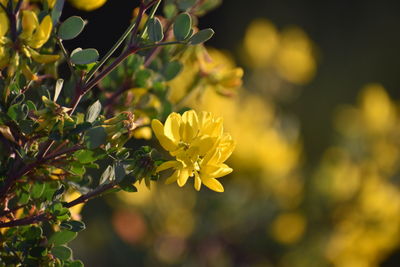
(183, 177)
(171, 128)
(213, 184)
(167, 165)
(190, 126)
(173, 177)
(216, 171)
(197, 181)
(165, 142)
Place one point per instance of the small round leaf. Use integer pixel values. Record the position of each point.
(155, 30)
(182, 26)
(62, 237)
(201, 37)
(62, 252)
(172, 69)
(85, 56)
(71, 28)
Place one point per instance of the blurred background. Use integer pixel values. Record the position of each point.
(316, 169)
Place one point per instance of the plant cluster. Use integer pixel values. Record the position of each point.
(66, 138)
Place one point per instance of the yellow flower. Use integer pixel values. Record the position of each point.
(199, 145)
(52, 114)
(220, 71)
(87, 5)
(33, 36)
(4, 26)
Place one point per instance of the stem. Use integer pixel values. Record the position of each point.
(132, 28)
(108, 69)
(44, 216)
(116, 94)
(94, 193)
(161, 44)
(66, 55)
(154, 52)
(62, 152)
(135, 30)
(151, 15)
(8, 211)
(109, 53)
(27, 168)
(26, 221)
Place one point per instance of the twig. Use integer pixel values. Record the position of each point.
(66, 55)
(44, 216)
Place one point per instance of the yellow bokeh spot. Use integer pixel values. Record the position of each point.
(377, 109)
(288, 228)
(295, 59)
(142, 197)
(260, 42)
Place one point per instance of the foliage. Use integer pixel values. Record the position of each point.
(69, 137)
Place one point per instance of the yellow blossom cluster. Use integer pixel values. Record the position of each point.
(205, 69)
(18, 53)
(359, 181)
(289, 52)
(199, 147)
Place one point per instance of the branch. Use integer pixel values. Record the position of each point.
(94, 193)
(27, 168)
(26, 221)
(44, 216)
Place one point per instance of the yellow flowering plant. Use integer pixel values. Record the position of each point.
(68, 137)
(199, 146)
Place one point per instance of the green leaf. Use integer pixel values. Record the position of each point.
(37, 190)
(38, 252)
(170, 10)
(74, 226)
(85, 56)
(172, 69)
(71, 28)
(57, 91)
(182, 26)
(142, 78)
(155, 30)
(108, 175)
(62, 237)
(201, 37)
(58, 192)
(62, 252)
(95, 137)
(50, 190)
(85, 156)
(33, 233)
(31, 105)
(24, 198)
(119, 171)
(76, 50)
(57, 11)
(80, 128)
(186, 4)
(57, 209)
(93, 111)
(128, 187)
(16, 112)
(77, 168)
